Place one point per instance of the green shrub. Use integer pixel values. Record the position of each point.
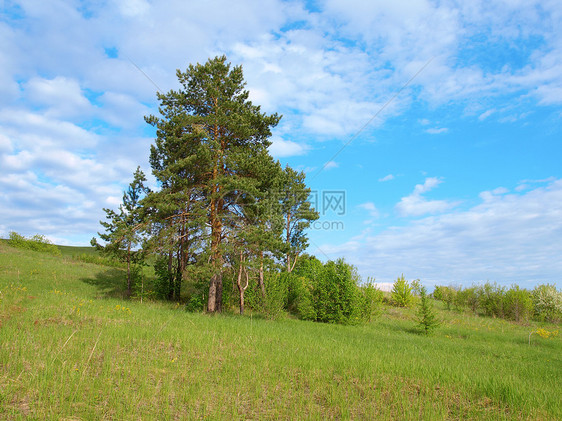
(370, 300)
(301, 285)
(36, 243)
(402, 293)
(438, 293)
(336, 294)
(327, 293)
(547, 303)
(491, 299)
(518, 304)
(469, 298)
(449, 296)
(275, 302)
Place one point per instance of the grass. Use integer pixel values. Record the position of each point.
(69, 349)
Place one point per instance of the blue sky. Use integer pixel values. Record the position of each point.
(456, 180)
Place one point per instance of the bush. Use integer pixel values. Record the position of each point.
(301, 286)
(518, 304)
(547, 303)
(468, 297)
(370, 300)
(36, 243)
(336, 294)
(402, 293)
(275, 301)
(449, 296)
(438, 293)
(326, 293)
(491, 299)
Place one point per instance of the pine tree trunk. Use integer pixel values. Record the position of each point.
(214, 303)
(129, 270)
(288, 228)
(240, 290)
(170, 276)
(260, 279)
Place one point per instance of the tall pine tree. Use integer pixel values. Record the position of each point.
(207, 135)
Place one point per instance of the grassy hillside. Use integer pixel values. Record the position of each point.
(77, 251)
(68, 350)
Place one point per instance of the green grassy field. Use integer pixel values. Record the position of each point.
(70, 350)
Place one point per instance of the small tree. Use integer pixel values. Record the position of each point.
(122, 230)
(449, 296)
(370, 300)
(426, 315)
(416, 286)
(402, 293)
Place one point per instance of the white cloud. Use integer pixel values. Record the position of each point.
(133, 8)
(61, 95)
(281, 148)
(371, 208)
(486, 114)
(436, 130)
(330, 165)
(416, 205)
(5, 144)
(388, 177)
(31, 130)
(507, 238)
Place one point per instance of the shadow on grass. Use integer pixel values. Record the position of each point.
(111, 283)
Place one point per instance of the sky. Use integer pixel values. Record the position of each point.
(430, 131)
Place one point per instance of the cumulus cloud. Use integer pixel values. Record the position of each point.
(281, 148)
(506, 238)
(63, 97)
(415, 204)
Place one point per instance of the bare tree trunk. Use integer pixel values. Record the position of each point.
(260, 279)
(129, 270)
(170, 276)
(242, 289)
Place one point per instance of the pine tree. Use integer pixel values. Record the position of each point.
(123, 229)
(208, 135)
(402, 292)
(297, 212)
(426, 316)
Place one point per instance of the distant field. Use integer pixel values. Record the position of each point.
(68, 350)
(76, 251)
